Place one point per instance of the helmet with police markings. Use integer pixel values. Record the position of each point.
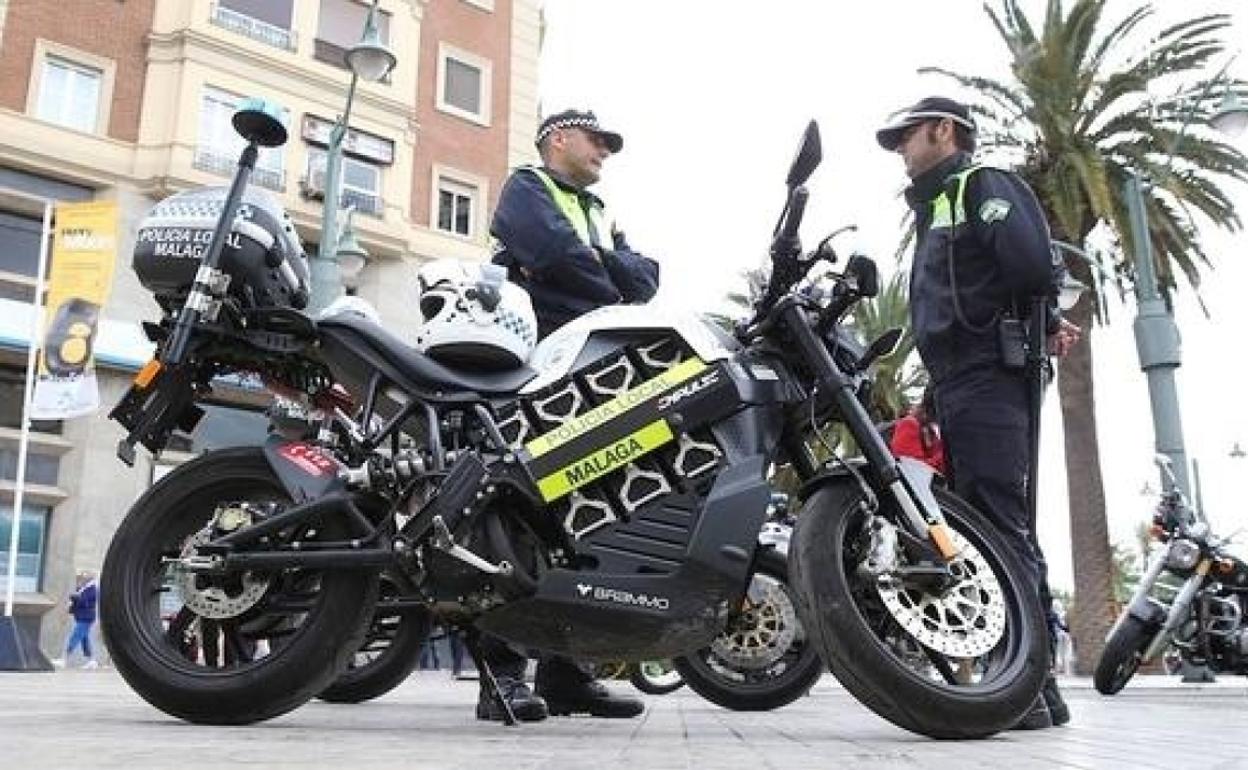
(473, 317)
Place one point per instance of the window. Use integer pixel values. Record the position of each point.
(456, 207)
(340, 26)
(40, 468)
(30, 540)
(463, 84)
(268, 21)
(69, 94)
(219, 144)
(19, 243)
(12, 396)
(359, 182)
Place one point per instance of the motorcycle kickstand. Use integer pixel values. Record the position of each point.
(472, 640)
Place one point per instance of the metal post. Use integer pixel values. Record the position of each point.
(32, 347)
(326, 282)
(1156, 341)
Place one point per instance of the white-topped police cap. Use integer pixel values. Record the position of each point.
(931, 108)
(585, 121)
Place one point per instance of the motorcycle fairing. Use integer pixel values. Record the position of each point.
(557, 355)
(598, 615)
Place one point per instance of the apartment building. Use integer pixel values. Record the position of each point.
(130, 101)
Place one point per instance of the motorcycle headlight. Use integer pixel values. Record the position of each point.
(1183, 554)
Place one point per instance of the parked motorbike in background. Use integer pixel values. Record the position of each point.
(1193, 596)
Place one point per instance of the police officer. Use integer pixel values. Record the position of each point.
(556, 240)
(554, 235)
(982, 256)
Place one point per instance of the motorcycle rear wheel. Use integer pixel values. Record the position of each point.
(888, 668)
(288, 635)
(1121, 658)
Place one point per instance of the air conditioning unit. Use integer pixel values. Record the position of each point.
(313, 184)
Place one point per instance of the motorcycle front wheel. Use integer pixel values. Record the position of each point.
(235, 648)
(1123, 653)
(964, 658)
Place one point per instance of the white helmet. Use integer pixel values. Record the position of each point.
(473, 316)
(351, 306)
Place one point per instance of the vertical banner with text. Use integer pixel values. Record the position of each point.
(84, 250)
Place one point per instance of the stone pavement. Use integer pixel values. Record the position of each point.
(83, 720)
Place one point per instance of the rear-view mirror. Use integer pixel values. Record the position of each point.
(808, 156)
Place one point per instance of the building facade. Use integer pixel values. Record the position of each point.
(144, 111)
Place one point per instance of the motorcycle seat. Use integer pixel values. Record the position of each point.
(424, 369)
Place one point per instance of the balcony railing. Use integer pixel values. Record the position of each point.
(215, 161)
(365, 203)
(242, 24)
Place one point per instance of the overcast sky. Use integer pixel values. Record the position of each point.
(712, 98)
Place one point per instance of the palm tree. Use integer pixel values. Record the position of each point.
(1078, 119)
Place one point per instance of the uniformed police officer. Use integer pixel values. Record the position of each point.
(554, 235)
(982, 255)
(556, 240)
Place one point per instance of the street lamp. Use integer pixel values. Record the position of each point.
(1156, 335)
(372, 61)
(352, 257)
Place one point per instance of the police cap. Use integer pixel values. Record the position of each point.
(931, 108)
(586, 121)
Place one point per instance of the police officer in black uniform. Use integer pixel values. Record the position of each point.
(556, 240)
(982, 257)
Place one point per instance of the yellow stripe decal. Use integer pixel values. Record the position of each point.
(617, 406)
(605, 460)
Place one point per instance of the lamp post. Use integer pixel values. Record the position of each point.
(1157, 339)
(352, 257)
(371, 60)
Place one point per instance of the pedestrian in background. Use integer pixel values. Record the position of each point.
(82, 604)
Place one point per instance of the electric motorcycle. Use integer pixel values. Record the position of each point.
(1192, 596)
(603, 502)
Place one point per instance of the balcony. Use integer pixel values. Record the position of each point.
(216, 161)
(365, 203)
(255, 29)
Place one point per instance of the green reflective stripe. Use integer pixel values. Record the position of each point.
(940, 206)
(569, 203)
(606, 460)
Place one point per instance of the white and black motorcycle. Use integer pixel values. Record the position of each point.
(603, 502)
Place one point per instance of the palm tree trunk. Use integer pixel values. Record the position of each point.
(1094, 610)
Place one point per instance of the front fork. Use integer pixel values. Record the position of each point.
(920, 517)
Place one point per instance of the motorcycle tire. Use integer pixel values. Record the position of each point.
(886, 667)
(1123, 653)
(656, 677)
(310, 621)
(711, 673)
(390, 651)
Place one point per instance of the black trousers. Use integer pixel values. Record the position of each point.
(984, 421)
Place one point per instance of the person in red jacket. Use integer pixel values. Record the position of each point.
(917, 435)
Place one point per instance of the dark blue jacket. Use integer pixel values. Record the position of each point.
(564, 276)
(82, 602)
(1001, 259)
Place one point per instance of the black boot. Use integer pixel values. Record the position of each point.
(570, 689)
(1059, 712)
(525, 706)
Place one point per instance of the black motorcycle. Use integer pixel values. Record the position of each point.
(1193, 597)
(605, 503)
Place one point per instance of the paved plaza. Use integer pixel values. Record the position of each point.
(89, 719)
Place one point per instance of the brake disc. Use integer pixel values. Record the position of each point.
(206, 596)
(965, 621)
(764, 630)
